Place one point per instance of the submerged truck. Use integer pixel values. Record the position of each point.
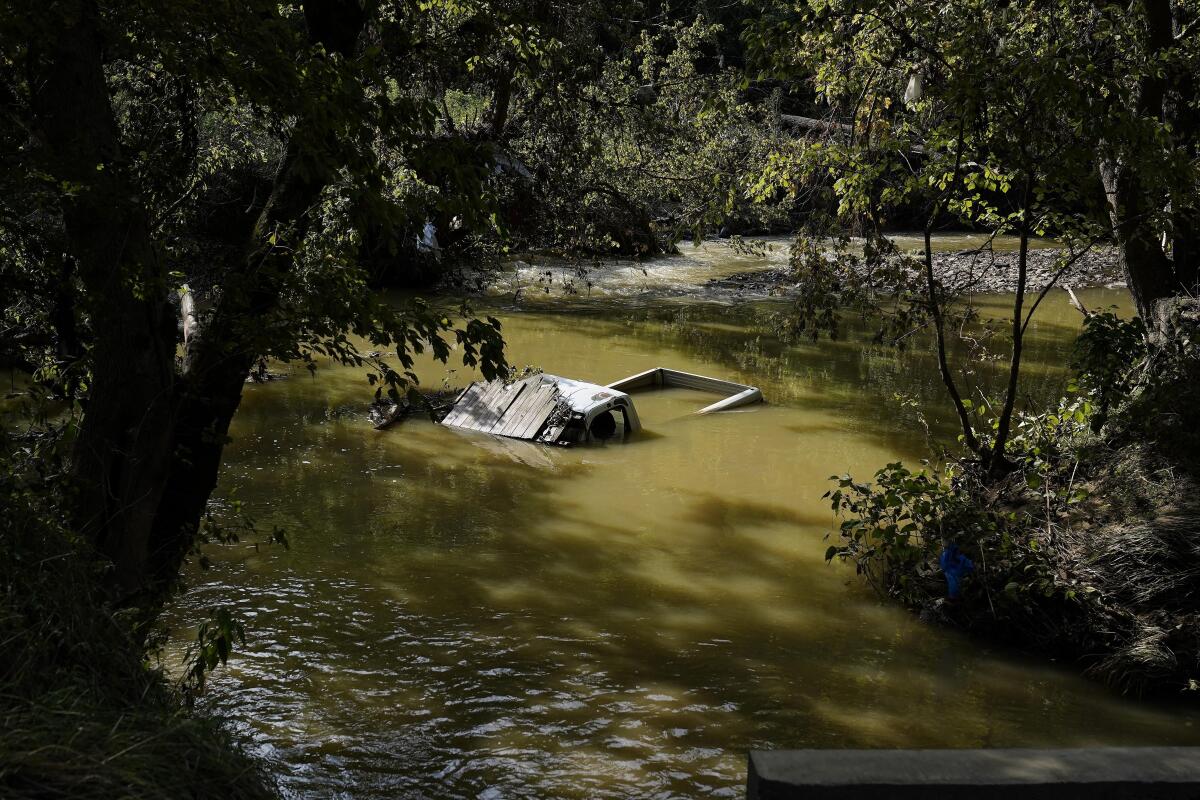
(556, 410)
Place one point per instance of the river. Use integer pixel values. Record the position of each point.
(460, 616)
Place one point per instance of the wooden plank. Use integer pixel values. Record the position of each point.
(464, 401)
(454, 409)
(456, 412)
(545, 400)
(487, 407)
(471, 406)
(551, 433)
(480, 415)
(493, 404)
(487, 413)
(537, 418)
(516, 409)
(518, 412)
(536, 412)
(504, 402)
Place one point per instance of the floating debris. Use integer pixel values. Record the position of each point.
(557, 410)
(384, 412)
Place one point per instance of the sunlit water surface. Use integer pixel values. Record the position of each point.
(466, 616)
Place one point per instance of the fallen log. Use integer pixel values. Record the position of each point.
(822, 126)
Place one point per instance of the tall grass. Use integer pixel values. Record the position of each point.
(82, 714)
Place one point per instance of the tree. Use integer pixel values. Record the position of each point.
(977, 113)
(615, 128)
(1148, 108)
(132, 116)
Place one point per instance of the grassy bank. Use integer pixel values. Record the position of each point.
(81, 713)
(1089, 550)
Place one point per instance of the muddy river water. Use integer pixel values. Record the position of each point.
(463, 616)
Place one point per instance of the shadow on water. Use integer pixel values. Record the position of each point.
(851, 376)
(465, 617)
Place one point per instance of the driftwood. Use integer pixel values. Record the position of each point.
(834, 130)
(1076, 302)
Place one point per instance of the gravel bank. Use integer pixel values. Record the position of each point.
(969, 271)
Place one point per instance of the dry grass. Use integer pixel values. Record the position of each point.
(1142, 554)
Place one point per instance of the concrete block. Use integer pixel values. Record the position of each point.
(1106, 773)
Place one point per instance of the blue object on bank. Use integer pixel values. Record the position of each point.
(955, 565)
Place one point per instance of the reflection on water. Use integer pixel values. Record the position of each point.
(461, 616)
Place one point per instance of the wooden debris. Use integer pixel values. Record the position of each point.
(384, 413)
(519, 410)
(1077, 303)
(555, 410)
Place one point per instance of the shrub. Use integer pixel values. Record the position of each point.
(894, 529)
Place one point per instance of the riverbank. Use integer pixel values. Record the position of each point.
(1087, 550)
(83, 713)
(967, 272)
(1104, 573)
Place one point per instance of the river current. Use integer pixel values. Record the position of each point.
(461, 616)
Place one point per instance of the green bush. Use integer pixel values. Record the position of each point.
(1105, 356)
(894, 529)
(1088, 548)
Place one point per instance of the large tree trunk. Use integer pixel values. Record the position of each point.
(1133, 205)
(501, 100)
(1147, 269)
(217, 360)
(148, 450)
(123, 443)
(217, 357)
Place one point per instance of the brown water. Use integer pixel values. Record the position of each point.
(464, 616)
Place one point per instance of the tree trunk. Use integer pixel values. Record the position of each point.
(148, 450)
(939, 328)
(123, 443)
(220, 351)
(217, 360)
(501, 101)
(1132, 205)
(1147, 270)
(998, 464)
